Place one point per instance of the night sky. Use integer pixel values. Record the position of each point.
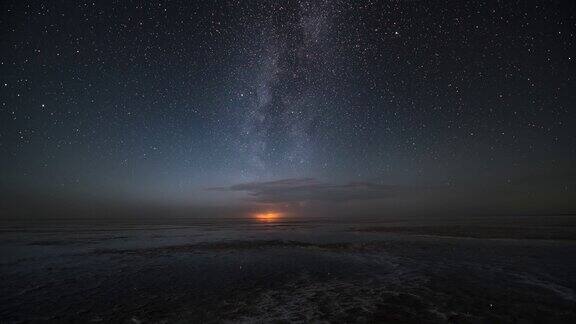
(313, 108)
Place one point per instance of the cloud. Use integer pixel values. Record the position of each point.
(310, 189)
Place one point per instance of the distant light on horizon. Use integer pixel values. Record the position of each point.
(268, 217)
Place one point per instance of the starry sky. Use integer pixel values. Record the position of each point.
(310, 107)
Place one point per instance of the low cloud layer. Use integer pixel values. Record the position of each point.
(310, 189)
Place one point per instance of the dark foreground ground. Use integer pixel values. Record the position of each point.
(484, 270)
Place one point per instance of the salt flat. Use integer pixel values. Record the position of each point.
(315, 270)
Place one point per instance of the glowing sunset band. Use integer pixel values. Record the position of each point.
(268, 216)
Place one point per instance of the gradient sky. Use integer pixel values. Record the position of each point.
(355, 107)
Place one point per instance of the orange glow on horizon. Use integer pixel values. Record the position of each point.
(268, 216)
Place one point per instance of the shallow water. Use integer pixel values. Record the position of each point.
(519, 269)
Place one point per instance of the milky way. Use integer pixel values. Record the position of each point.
(449, 103)
(292, 74)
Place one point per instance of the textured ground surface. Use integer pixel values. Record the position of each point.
(521, 271)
